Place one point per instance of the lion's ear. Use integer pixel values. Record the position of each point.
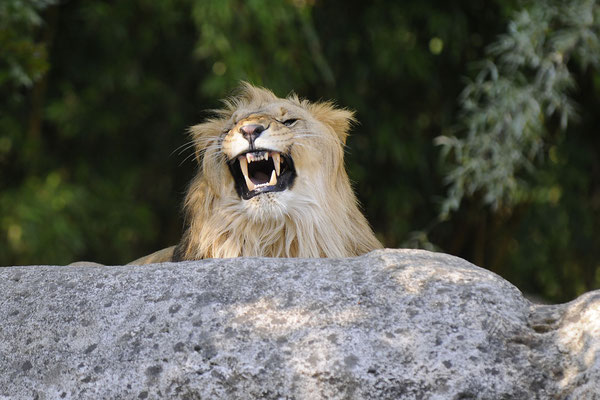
(338, 119)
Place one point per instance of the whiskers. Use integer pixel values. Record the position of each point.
(182, 149)
(203, 145)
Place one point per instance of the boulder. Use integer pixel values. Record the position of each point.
(392, 324)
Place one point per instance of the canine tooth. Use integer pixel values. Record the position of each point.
(273, 180)
(277, 162)
(267, 155)
(249, 183)
(244, 166)
(249, 157)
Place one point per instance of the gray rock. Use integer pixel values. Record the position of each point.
(393, 324)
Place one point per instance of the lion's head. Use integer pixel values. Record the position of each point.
(272, 182)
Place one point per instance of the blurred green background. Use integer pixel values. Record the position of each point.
(478, 131)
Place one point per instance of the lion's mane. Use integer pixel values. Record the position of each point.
(316, 216)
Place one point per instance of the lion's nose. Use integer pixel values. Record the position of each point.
(252, 131)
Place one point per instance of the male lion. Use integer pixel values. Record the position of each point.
(271, 183)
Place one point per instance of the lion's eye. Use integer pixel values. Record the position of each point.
(290, 122)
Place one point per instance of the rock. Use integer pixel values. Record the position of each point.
(392, 324)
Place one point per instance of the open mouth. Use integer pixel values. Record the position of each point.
(261, 171)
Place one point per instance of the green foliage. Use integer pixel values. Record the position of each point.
(517, 153)
(23, 60)
(69, 178)
(506, 107)
(269, 42)
(96, 98)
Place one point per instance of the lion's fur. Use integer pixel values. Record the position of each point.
(317, 217)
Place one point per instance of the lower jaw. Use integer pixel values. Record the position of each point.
(261, 192)
(285, 182)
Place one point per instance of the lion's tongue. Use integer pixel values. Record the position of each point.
(259, 178)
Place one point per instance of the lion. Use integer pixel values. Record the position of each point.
(271, 183)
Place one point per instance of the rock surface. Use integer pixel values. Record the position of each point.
(393, 324)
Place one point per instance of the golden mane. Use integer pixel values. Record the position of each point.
(308, 208)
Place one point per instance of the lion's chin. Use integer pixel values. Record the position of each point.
(266, 208)
(258, 172)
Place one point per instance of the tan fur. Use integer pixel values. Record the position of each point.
(156, 257)
(317, 217)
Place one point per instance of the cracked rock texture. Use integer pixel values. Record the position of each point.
(393, 324)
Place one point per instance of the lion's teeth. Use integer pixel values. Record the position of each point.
(249, 157)
(244, 166)
(267, 155)
(273, 180)
(249, 183)
(277, 162)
